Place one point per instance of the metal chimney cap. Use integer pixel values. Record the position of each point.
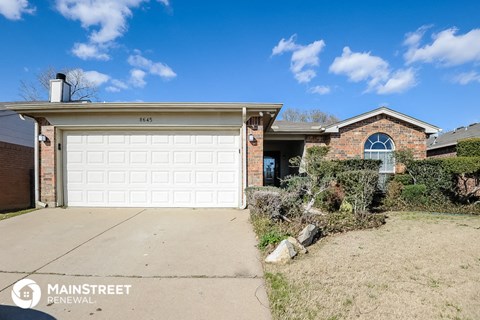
(61, 76)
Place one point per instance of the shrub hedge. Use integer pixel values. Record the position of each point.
(468, 147)
(359, 187)
(357, 164)
(404, 179)
(461, 165)
(415, 194)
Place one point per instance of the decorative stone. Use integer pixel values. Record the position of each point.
(297, 245)
(282, 253)
(308, 235)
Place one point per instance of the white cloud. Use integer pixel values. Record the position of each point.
(13, 9)
(96, 77)
(164, 2)
(116, 86)
(137, 78)
(412, 39)
(363, 66)
(285, 45)
(446, 49)
(90, 77)
(106, 21)
(156, 68)
(112, 89)
(320, 90)
(119, 84)
(360, 66)
(399, 81)
(87, 51)
(109, 16)
(467, 77)
(303, 59)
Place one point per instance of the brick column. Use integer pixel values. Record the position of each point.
(47, 166)
(255, 152)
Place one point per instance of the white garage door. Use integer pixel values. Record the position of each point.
(152, 169)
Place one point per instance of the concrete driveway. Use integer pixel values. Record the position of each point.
(146, 263)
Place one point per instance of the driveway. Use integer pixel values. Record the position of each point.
(152, 264)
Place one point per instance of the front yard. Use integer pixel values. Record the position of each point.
(417, 266)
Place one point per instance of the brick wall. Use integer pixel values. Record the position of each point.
(255, 152)
(16, 176)
(450, 151)
(349, 142)
(47, 164)
(323, 140)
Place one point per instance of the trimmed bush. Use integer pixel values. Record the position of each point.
(357, 164)
(331, 199)
(432, 174)
(265, 201)
(359, 187)
(404, 179)
(414, 194)
(461, 165)
(272, 202)
(468, 147)
(393, 198)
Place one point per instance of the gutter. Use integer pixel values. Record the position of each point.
(244, 157)
(36, 157)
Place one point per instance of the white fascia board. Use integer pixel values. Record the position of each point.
(428, 128)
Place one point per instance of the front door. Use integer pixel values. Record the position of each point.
(271, 169)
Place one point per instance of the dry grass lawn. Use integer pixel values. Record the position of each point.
(417, 266)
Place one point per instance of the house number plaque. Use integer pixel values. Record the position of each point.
(146, 119)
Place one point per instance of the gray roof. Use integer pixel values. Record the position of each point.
(450, 138)
(290, 126)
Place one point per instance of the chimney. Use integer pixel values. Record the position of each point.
(59, 89)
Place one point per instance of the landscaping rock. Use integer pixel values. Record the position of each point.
(282, 253)
(297, 245)
(308, 235)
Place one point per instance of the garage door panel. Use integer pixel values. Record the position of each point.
(161, 178)
(152, 169)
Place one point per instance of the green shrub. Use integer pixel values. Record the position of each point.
(432, 174)
(357, 164)
(271, 238)
(346, 207)
(414, 194)
(461, 165)
(359, 187)
(331, 199)
(393, 197)
(404, 179)
(468, 147)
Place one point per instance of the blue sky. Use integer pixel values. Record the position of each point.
(343, 57)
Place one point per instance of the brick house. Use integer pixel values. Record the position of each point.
(445, 145)
(190, 154)
(16, 157)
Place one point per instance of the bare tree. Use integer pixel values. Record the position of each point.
(313, 115)
(81, 87)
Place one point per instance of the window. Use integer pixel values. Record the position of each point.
(380, 146)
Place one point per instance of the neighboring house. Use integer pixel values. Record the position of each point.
(445, 145)
(191, 154)
(16, 159)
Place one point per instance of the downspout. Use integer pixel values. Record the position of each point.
(244, 154)
(35, 158)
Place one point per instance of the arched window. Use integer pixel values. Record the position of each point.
(380, 146)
